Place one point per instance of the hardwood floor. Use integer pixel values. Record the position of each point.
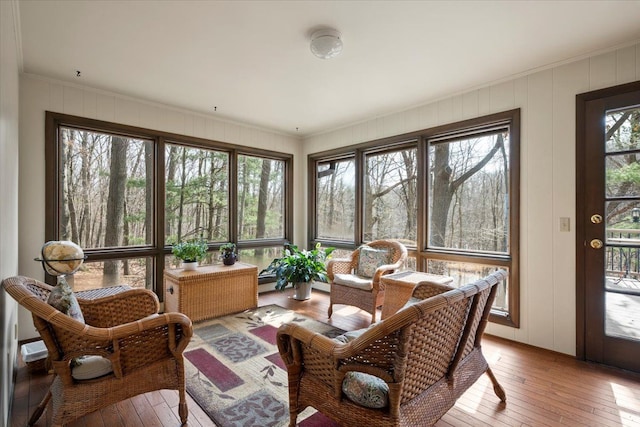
(543, 388)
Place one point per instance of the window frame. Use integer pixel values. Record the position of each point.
(157, 249)
(422, 252)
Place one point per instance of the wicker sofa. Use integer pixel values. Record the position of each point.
(144, 348)
(428, 354)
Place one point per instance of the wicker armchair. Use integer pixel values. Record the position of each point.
(367, 296)
(428, 354)
(145, 348)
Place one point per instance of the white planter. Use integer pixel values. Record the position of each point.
(189, 265)
(302, 291)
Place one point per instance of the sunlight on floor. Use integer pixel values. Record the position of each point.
(627, 398)
(346, 310)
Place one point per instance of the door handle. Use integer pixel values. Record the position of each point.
(596, 244)
(596, 219)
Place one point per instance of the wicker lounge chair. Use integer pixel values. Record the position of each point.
(427, 354)
(144, 348)
(365, 293)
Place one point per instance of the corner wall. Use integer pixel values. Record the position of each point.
(40, 94)
(547, 191)
(9, 107)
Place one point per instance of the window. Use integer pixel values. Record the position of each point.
(126, 195)
(450, 194)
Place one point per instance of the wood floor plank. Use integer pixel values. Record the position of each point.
(543, 388)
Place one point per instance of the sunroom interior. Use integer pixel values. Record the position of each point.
(520, 125)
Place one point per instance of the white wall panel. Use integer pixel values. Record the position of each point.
(89, 104)
(457, 108)
(428, 116)
(126, 111)
(56, 98)
(537, 230)
(470, 104)
(502, 96)
(106, 108)
(626, 64)
(445, 111)
(73, 101)
(484, 101)
(149, 116)
(602, 71)
(568, 80)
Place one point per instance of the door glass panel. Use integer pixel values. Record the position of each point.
(622, 211)
(623, 175)
(622, 133)
(622, 321)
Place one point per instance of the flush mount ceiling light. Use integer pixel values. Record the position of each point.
(326, 43)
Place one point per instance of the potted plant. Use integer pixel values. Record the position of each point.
(228, 253)
(300, 268)
(190, 252)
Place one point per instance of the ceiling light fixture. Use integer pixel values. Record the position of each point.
(326, 43)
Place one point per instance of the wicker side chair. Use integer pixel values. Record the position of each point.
(145, 348)
(366, 296)
(427, 354)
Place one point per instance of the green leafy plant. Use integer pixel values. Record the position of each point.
(297, 266)
(190, 251)
(228, 247)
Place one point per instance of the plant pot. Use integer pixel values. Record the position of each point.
(302, 291)
(189, 265)
(229, 259)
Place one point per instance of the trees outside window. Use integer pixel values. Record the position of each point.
(126, 195)
(450, 194)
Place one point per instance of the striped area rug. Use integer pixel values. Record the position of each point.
(235, 373)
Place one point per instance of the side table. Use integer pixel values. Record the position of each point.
(211, 290)
(399, 287)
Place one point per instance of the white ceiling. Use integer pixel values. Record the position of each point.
(251, 59)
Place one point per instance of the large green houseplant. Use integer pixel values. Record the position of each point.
(299, 268)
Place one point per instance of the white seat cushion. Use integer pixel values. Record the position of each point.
(353, 281)
(89, 367)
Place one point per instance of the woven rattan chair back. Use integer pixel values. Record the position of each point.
(365, 299)
(428, 353)
(145, 348)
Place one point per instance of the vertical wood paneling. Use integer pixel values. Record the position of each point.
(537, 231)
(428, 116)
(218, 129)
(72, 100)
(602, 71)
(568, 80)
(626, 65)
(445, 111)
(638, 61)
(412, 120)
(484, 101)
(56, 98)
(127, 111)
(392, 125)
(106, 108)
(231, 132)
(521, 99)
(470, 104)
(502, 96)
(89, 104)
(199, 127)
(172, 121)
(149, 116)
(188, 125)
(456, 108)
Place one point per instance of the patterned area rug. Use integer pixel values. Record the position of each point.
(235, 373)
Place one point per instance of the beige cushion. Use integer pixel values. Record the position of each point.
(89, 367)
(353, 281)
(370, 259)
